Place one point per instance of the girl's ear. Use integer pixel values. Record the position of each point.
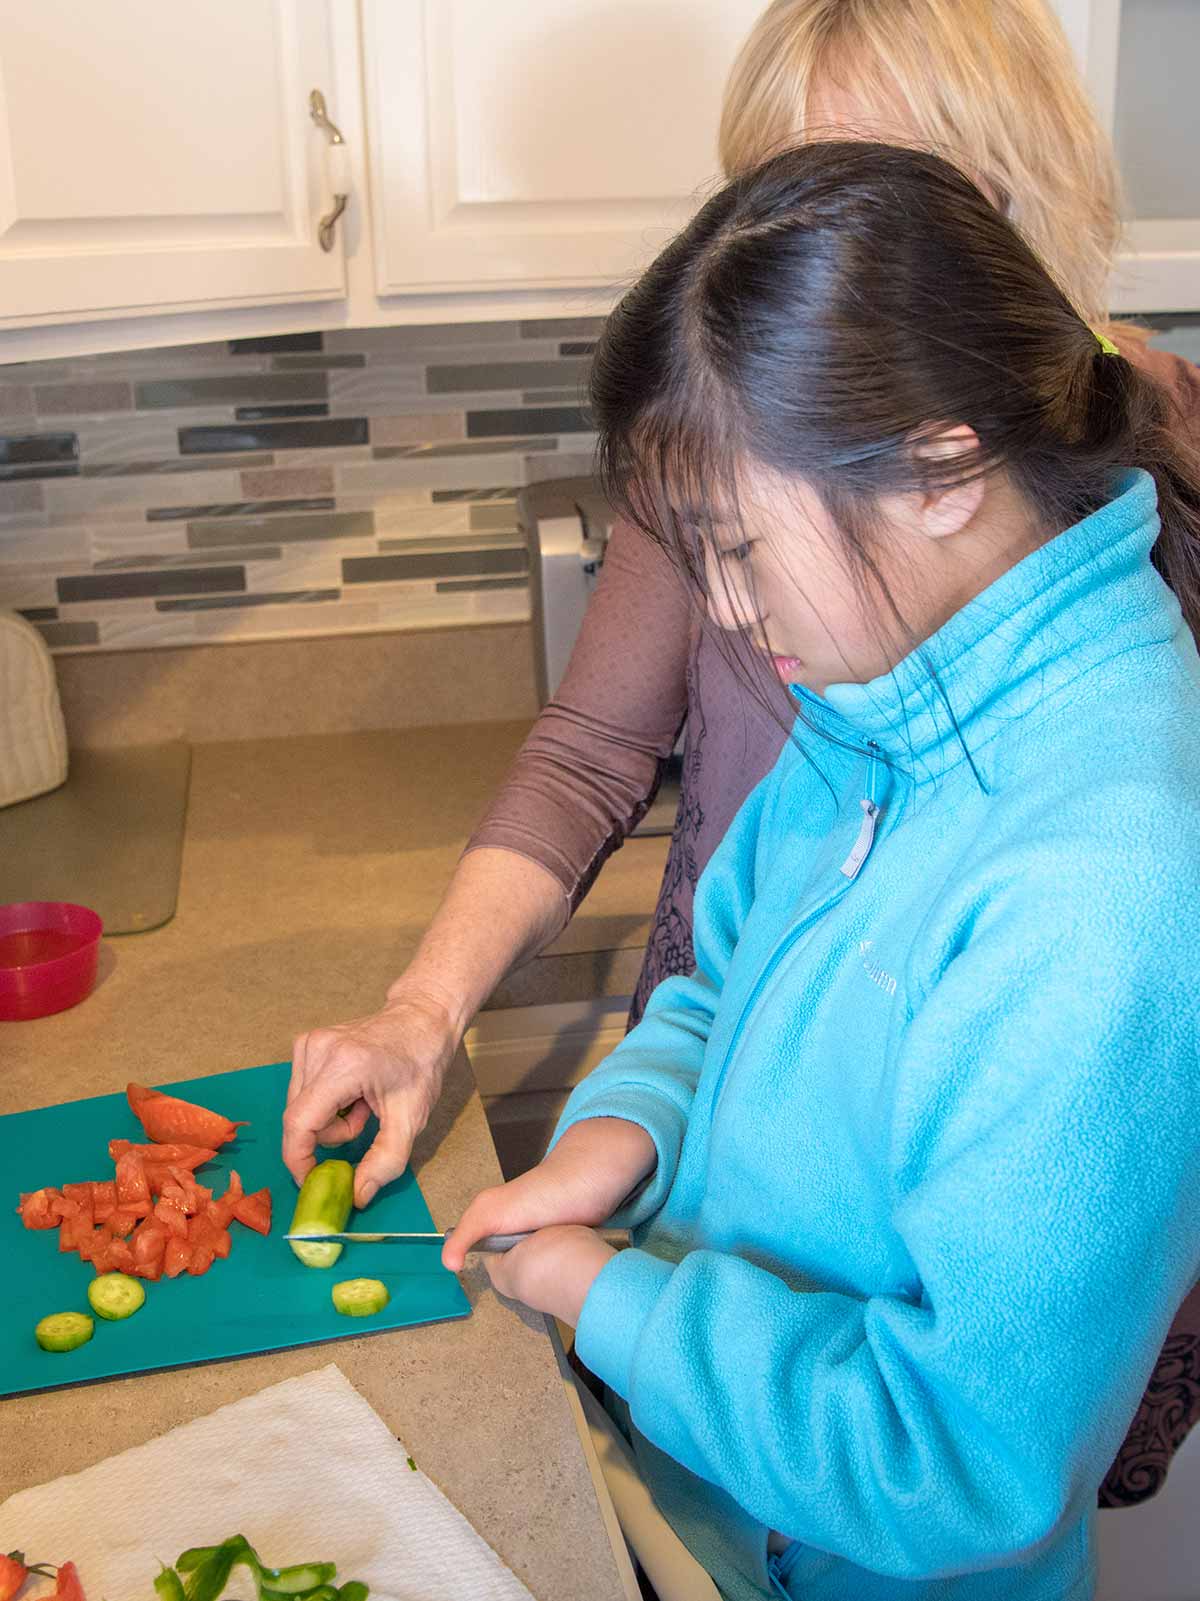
(947, 511)
(939, 513)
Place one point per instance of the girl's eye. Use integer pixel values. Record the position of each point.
(738, 552)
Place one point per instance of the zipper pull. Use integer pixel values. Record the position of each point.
(866, 838)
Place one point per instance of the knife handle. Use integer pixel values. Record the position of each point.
(495, 1244)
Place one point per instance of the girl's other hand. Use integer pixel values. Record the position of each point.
(553, 1270)
(582, 1180)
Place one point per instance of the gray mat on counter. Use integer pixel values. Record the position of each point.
(110, 838)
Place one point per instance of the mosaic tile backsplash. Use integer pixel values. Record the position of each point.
(301, 485)
(305, 485)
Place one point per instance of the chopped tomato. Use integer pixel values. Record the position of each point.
(222, 1243)
(201, 1260)
(157, 1174)
(121, 1257)
(38, 1211)
(221, 1210)
(104, 1199)
(151, 1270)
(102, 1249)
(68, 1587)
(177, 1257)
(71, 1230)
(189, 1156)
(13, 1574)
(149, 1246)
(195, 1196)
(167, 1119)
(133, 1193)
(172, 1217)
(122, 1223)
(255, 1211)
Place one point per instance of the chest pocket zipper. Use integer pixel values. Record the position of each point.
(850, 868)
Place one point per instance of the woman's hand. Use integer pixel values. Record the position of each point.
(553, 1270)
(391, 1063)
(583, 1180)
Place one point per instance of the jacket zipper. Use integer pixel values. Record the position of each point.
(858, 855)
(779, 1568)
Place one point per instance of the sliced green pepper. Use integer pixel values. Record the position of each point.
(208, 1580)
(298, 1580)
(353, 1590)
(188, 1561)
(169, 1586)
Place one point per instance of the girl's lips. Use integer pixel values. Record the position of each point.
(786, 666)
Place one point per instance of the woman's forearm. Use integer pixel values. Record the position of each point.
(499, 909)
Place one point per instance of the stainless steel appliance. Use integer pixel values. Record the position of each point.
(567, 523)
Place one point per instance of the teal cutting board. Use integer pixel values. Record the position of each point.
(259, 1299)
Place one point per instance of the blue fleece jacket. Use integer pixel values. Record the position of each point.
(928, 1133)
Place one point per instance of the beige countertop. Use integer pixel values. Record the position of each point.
(310, 867)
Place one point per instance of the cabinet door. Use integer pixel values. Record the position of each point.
(539, 143)
(161, 156)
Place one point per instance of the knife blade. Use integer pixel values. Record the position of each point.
(494, 1243)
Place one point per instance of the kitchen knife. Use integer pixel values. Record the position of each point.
(492, 1243)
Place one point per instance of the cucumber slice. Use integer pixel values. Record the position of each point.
(115, 1296)
(360, 1297)
(299, 1580)
(323, 1207)
(64, 1331)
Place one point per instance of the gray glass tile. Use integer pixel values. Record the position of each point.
(455, 584)
(270, 344)
(16, 400)
(317, 363)
(226, 602)
(187, 558)
(431, 545)
(541, 419)
(332, 525)
(496, 514)
(561, 327)
(266, 413)
(38, 614)
(462, 447)
(16, 449)
(576, 348)
(74, 400)
(274, 436)
(236, 508)
(417, 336)
(473, 378)
(16, 499)
(129, 586)
(40, 469)
(441, 495)
(141, 469)
(70, 633)
(447, 564)
(229, 390)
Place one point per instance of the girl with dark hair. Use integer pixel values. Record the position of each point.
(912, 1158)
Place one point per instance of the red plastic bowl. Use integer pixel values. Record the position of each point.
(48, 953)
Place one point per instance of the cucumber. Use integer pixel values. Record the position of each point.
(360, 1297)
(64, 1331)
(303, 1578)
(323, 1207)
(115, 1296)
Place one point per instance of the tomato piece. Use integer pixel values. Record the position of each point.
(149, 1241)
(133, 1192)
(222, 1243)
(172, 1217)
(168, 1120)
(121, 1257)
(202, 1259)
(149, 1270)
(81, 1194)
(195, 1196)
(38, 1211)
(177, 1256)
(178, 1155)
(12, 1576)
(70, 1229)
(102, 1250)
(122, 1223)
(68, 1587)
(104, 1199)
(255, 1211)
(156, 1176)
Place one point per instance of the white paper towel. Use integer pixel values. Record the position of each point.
(306, 1470)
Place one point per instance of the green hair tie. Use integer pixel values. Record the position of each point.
(1107, 348)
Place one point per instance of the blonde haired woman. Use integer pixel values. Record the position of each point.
(992, 85)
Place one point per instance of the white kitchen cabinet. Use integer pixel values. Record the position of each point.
(1139, 58)
(159, 156)
(541, 143)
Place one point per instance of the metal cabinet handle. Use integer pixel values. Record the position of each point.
(338, 168)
